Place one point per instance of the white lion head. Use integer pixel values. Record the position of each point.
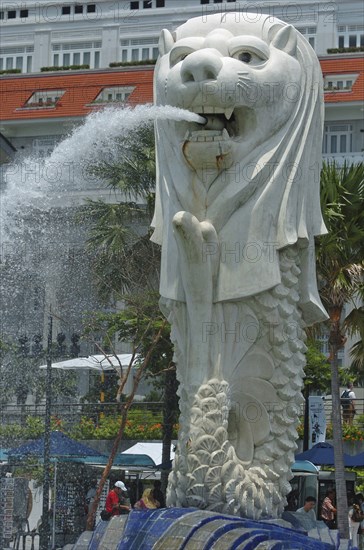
(253, 169)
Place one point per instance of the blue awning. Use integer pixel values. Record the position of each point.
(62, 447)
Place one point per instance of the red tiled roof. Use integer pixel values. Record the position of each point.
(83, 87)
(341, 66)
(80, 90)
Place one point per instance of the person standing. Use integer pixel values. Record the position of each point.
(308, 511)
(355, 517)
(328, 510)
(347, 399)
(116, 501)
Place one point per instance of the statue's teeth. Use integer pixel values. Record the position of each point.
(228, 113)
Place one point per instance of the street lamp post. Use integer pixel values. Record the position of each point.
(45, 531)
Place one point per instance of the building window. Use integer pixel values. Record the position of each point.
(350, 35)
(76, 54)
(29, 63)
(339, 85)
(24, 13)
(139, 49)
(11, 14)
(114, 94)
(56, 60)
(43, 147)
(44, 98)
(66, 10)
(159, 4)
(204, 1)
(341, 82)
(78, 8)
(134, 5)
(91, 8)
(12, 55)
(309, 33)
(338, 138)
(147, 4)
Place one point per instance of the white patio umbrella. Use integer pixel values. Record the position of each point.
(95, 362)
(99, 363)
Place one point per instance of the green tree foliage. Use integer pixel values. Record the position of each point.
(340, 268)
(124, 258)
(317, 369)
(137, 323)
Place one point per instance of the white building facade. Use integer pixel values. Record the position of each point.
(37, 34)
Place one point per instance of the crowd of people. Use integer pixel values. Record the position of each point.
(326, 515)
(355, 515)
(118, 502)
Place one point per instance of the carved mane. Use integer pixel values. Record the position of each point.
(284, 185)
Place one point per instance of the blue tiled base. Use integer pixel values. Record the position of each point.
(191, 529)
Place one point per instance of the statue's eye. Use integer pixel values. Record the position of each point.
(249, 55)
(246, 57)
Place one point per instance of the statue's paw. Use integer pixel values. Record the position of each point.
(197, 240)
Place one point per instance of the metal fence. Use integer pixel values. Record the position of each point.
(70, 414)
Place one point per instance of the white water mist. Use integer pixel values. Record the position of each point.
(38, 182)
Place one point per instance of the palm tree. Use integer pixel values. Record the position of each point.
(340, 269)
(124, 258)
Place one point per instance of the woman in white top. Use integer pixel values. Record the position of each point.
(355, 518)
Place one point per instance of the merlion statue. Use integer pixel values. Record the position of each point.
(237, 209)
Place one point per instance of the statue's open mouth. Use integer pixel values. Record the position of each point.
(221, 124)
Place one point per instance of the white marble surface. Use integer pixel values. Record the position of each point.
(237, 209)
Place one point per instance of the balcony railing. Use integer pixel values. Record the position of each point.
(340, 158)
